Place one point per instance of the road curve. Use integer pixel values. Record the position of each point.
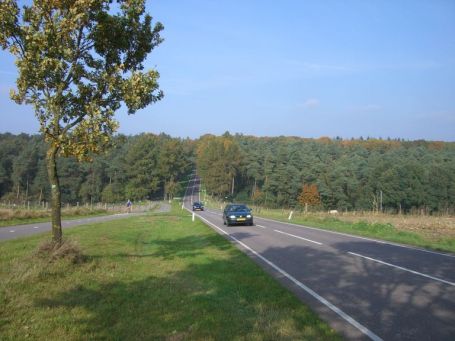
(364, 288)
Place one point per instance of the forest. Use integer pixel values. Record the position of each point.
(285, 172)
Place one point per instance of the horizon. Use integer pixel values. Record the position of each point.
(234, 134)
(383, 70)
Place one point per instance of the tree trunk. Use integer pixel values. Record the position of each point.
(55, 195)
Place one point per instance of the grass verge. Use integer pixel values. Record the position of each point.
(383, 231)
(158, 276)
(435, 233)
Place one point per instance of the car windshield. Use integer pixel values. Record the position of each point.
(237, 208)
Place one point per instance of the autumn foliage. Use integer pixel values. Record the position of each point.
(309, 195)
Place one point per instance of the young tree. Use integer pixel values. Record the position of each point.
(78, 60)
(309, 195)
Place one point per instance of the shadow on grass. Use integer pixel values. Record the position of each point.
(221, 300)
(220, 295)
(170, 249)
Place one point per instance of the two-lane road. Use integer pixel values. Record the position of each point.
(365, 288)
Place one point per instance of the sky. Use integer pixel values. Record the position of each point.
(302, 68)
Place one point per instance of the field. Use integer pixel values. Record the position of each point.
(158, 276)
(432, 232)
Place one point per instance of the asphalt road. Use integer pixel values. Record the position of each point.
(18, 231)
(364, 288)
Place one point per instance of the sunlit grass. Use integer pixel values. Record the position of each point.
(152, 277)
(362, 226)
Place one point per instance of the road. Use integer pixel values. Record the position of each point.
(364, 288)
(18, 231)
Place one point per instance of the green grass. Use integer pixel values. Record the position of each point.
(374, 230)
(158, 276)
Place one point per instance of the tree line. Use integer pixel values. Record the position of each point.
(356, 174)
(145, 166)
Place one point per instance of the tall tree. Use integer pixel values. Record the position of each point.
(78, 60)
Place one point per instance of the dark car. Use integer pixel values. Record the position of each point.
(198, 206)
(235, 214)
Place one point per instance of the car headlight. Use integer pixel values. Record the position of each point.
(232, 216)
(248, 216)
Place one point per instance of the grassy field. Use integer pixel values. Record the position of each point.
(432, 232)
(158, 276)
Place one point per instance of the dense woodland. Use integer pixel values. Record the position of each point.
(360, 174)
(138, 167)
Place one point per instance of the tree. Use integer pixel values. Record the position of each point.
(219, 160)
(77, 62)
(309, 195)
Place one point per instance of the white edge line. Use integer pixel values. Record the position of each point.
(358, 237)
(292, 235)
(321, 299)
(401, 268)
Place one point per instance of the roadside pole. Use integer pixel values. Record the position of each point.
(290, 215)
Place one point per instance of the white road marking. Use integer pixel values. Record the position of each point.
(364, 238)
(36, 227)
(321, 299)
(401, 268)
(12, 231)
(293, 235)
(260, 226)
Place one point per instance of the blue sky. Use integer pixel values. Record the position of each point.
(301, 68)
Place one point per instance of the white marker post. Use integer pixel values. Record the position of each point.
(290, 215)
(193, 217)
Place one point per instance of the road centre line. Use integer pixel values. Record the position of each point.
(12, 231)
(321, 299)
(293, 235)
(358, 237)
(260, 226)
(401, 268)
